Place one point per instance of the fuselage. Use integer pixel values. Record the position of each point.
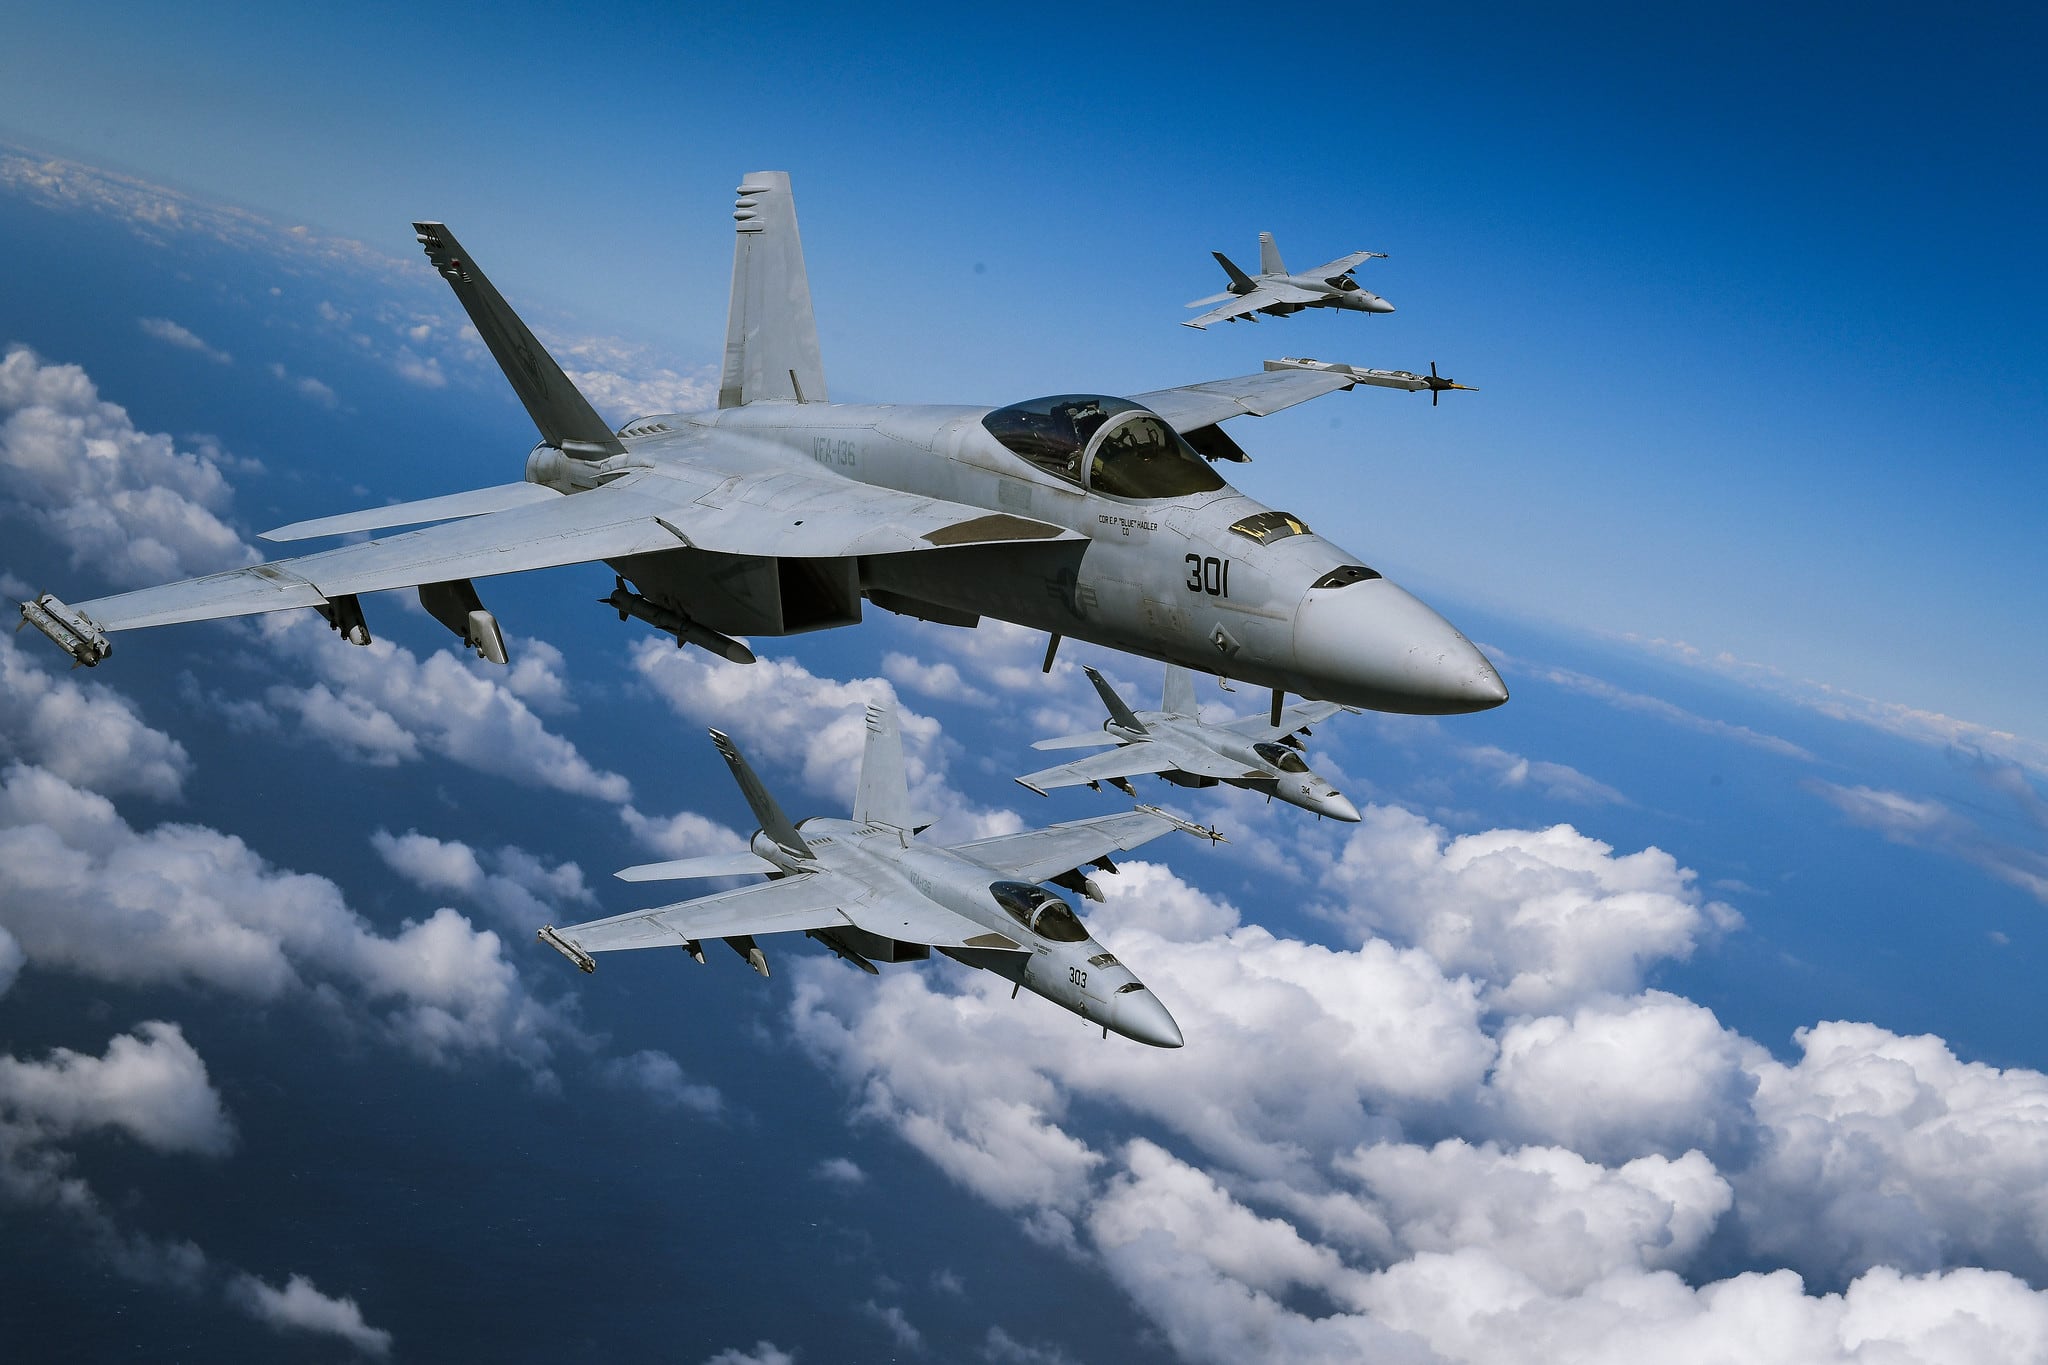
(1032, 937)
(1209, 579)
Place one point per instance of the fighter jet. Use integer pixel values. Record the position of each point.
(870, 891)
(1279, 293)
(1177, 744)
(778, 512)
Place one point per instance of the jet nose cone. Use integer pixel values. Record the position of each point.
(1139, 1015)
(1338, 807)
(1367, 302)
(1371, 644)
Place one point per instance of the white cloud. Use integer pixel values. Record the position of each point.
(1563, 1221)
(1893, 718)
(521, 891)
(900, 1329)
(840, 1171)
(305, 386)
(1620, 1078)
(151, 1085)
(164, 330)
(682, 835)
(84, 732)
(1887, 1149)
(1545, 917)
(1555, 780)
(83, 891)
(662, 1079)
(1919, 822)
(300, 1307)
(127, 502)
(939, 680)
(383, 704)
(764, 1353)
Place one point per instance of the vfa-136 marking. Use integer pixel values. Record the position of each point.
(776, 512)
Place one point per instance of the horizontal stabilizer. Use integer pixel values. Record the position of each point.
(473, 503)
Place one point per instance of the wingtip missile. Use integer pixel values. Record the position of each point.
(584, 961)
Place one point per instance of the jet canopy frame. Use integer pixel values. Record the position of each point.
(1110, 446)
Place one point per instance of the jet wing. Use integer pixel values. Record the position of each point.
(641, 512)
(1344, 264)
(1291, 719)
(793, 904)
(812, 900)
(1267, 294)
(1282, 384)
(1201, 405)
(473, 503)
(1132, 760)
(1036, 854)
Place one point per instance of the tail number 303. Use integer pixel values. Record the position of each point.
(1207, 573)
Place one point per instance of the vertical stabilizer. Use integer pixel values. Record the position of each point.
(774, 823)
(771, 337)
(1178, 696)
(1269, 256)
(884, 795)
(1119, 711)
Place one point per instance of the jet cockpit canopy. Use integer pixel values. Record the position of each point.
(1281, 757)
(1106, 445)
(1040, 911)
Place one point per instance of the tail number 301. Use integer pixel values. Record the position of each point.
(1207, 573)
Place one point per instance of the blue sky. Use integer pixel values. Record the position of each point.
(1633, 991)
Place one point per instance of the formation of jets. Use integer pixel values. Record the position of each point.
(1094, 516)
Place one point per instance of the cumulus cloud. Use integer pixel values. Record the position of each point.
(938, 680)
(661, 1078)
(1581, 1163)
(840, 1171)
(171, 334)
(300, 1307)
(126, 502)
(1543, 916)
(85, 892)
(764, 1353)
(151, 1085)
(893, 1321)
(1887, 1149)
(520, 890)
(682, 835)
(85, 733)
(1617, 1078)
(384, 705)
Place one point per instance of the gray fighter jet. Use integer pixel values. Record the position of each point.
(868, 890)
(1279, 293)
(1175, 743)
(778, 512)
